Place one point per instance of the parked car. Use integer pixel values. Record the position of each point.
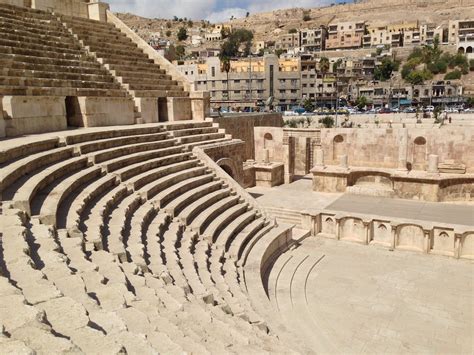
(409, 110)
(429, 109)
(385, 110)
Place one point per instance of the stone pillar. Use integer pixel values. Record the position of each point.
(200, 105)
(427, 240)
(367, 225)
(457, 245)
(403, 150)
(393, 242)
(344, 161)
(319, 157)
(338, 228)
(433, 161)
(98, 10)
(289, 157)
(266, 156)
(308, 222)
(179, 109)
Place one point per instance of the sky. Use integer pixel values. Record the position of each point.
(212, 10)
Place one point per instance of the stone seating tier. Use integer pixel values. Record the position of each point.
(122, 240)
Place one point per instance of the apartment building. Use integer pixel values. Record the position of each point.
(249, 82)
(345, 35)
(313, 39)
(461, 33)
(287, 41)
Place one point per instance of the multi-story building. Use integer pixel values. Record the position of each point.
(345, 35)
(249, 82)
(313, 40)
(429, 32)
(287, 41)
(388, 35)
(461, 34)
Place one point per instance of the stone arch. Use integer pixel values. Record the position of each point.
(469, 49)
(411, 237)
(338, 146)
(382, 233)
(467, 246)
(230, 167)
(328, 226)
(461, 50)
(419, 153)
(442, 242)
(352, 229)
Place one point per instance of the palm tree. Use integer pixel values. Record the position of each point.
(225, 63)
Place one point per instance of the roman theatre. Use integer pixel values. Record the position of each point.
(132, 221)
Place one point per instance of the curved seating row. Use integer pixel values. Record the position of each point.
(145, 249)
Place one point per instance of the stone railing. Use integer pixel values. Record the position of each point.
(413, 235)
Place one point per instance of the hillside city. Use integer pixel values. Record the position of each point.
(381, 65)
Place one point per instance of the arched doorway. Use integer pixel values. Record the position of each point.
(268, 144)
(228, 170)
(469, 49)
(461, 50)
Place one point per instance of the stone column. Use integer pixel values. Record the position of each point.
(289, 158)
(427, 240)
(393, 242)
(200, 105)
(433, 161)
(266, 156)
(403, 150)
(367, 225)
(98, 10)
(344, 161)
(319, 157)
(457, 245)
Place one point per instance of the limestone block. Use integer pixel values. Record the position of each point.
(433, 161)
(200, 105)
(102, 111)
(179, 109)
(98, 11)
(148, 108)
(67, 7)
(34, 114)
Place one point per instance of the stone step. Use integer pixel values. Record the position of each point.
(177, 92)
(206, 217)
(227, 234)
(53, 91)
(166, 196)
(178, 204)
(49, 209)
(105, 78)
(112, 153)
(235, 246)
(7, 42)
(40, 179)
(50, 61)
(25, 39)
(188, 214)
(18, 168)
(53, 54)
(13, 152)
(224, 219)
(56, 83)
(82, 69)
(16, 20)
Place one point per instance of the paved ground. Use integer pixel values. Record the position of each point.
(369, 300)
(299, 196)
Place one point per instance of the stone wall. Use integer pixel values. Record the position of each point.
(242, 127)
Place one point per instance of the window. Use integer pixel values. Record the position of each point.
(213, 71)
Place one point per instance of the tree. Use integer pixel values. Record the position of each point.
(292, 30)
(306, 16)
(324, 65)
(225, 32)
(180, 52)
(384, 71)
(279, 52)
(327, 122)
(182, 34)
(230, 48)
(225, 66)
(168, 33)
(470, 101)
(190, 23)
(336, 65)
(168, 24)
(362, 102)
(247, 14)
(175, 18)
(308, 105)
(417, 77)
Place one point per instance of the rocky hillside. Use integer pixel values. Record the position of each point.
(267, 25)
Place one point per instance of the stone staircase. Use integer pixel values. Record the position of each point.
(124, 240)
(39, 57)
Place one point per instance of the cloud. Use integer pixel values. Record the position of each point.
(226, 14)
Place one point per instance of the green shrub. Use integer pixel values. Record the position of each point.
(454, 75)
(327, 121)
(471, 65)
